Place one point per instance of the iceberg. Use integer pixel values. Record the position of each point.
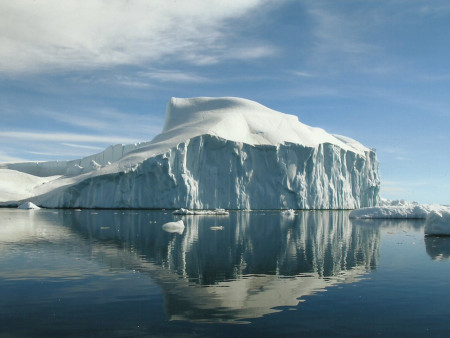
(213, 153)
(174, 227)
(398, 209)
(28, 206)
(438, 223)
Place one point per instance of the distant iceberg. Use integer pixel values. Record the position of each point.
(438, 223)
(28, 206)
(213, 153)
(397, 209)
(437, 216)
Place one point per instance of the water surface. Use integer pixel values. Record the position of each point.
(117, 273)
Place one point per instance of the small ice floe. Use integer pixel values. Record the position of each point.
(177, 227)
(438, 223)
(28, 206)
(183, 211)
(216, 228)
(288, 212)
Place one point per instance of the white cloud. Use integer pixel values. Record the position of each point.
(82, 146)
(70, 34)
(64, 137)
(111, 120)
(336, 33)
(303, 74)
(5, 158)
(173, 76)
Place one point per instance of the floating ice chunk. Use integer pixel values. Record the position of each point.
(177, 227)
(182, 211)
(28, 206)
(289, 212)
(220, 212)
(438, 223)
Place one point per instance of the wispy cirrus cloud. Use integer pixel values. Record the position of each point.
(7, 158)
(173, 76)
(64, 137)
(108, 119)
(81, 146)
(66, 35)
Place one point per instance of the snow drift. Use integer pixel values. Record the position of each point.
(217, 153)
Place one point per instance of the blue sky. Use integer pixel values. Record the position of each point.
(77, 76)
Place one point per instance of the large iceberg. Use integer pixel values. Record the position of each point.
(215, 153)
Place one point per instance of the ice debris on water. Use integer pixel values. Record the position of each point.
(288, 212)
(183, 211)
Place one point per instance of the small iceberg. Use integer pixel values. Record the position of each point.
(397, 209)
(288, 212)
(177, 227)
(216, 212)
(391, 211)
(438, 223)
(28, 206)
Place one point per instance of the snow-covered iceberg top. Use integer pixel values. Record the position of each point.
(242, 120)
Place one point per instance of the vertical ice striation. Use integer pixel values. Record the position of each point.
(208, 172)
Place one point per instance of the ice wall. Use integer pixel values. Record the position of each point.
(208, 172)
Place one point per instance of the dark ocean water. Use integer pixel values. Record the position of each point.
(116, 273)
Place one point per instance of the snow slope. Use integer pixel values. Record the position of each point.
(218, 153)
(16, 185)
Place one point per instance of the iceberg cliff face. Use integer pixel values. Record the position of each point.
(225, 153)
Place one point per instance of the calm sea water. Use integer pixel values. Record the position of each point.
(117, 273)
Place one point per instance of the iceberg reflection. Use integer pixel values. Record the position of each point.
(260, 261)
(438, 248)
